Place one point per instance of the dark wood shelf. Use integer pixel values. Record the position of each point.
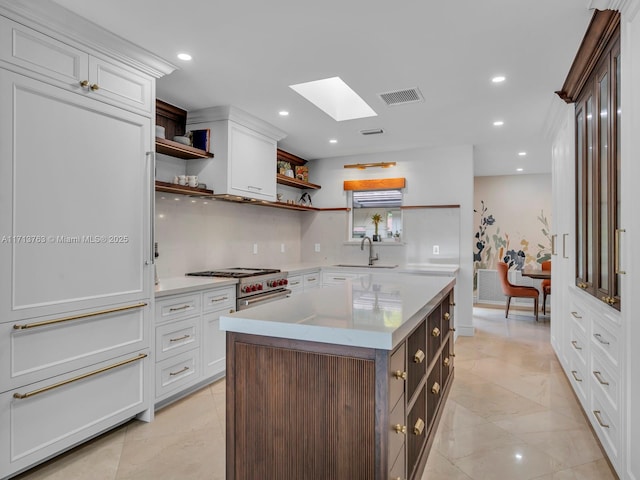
(182, 189)
(175, 149)
(294, 182)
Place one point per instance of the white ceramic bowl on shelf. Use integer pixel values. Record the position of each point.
(183, 140)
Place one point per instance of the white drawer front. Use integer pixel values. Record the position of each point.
(578, 344)
(177, 337)
(214, 345)
(605, 341)
(45, 423)
(219, 299)
(177, 372)
(578, 319)
(35, 352)
(296, 284)
(311, 280)
(120, 85)
(606, 425)
(174, 307)
(606, 381)
(337, 278)
(578, 376)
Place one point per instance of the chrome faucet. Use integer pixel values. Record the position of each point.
(371, 257)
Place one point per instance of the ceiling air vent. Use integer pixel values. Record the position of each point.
(373, 131)
(400, 97)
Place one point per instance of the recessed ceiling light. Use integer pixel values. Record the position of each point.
(522, 154)
(335, 98)
(283, 113)
(498, 123)
(184, 56)
(333, 140)
(519, 169)
(498, 79)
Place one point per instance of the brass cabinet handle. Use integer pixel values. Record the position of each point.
(575, 345)
(608, 300)
(79, 377)
(94, 87)
(435, 389)
(582, 285)
(446, 362)
(184, 337)
(418, 357)
(452, 354)
(453, 304)
(564, 245)
(418, 428)
(171, 374)
(232, 311)
(575, 375)
(176, 309)
(220, 299)
(598, 413)
(400, 429)
(452, 329)
(553, 244)
(400, 375)
(598, 337)
(84, 83)
(617, 252)
(598, 376)
(435, 332)
(575, 315)
(78, 317)
(446, 316)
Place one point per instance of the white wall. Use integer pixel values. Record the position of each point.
(435, 176)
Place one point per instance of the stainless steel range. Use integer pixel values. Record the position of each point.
(255, 285)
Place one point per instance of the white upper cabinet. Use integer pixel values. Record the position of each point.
(245, 153)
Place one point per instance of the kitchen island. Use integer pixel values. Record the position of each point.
(344, 382)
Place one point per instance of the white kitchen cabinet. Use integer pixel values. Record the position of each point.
(295, 284)
(245, 153)
(337, 277)
(311, 280)
(303, 282)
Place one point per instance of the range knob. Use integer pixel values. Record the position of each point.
(253, 288)
(259, 286)
(285, 282)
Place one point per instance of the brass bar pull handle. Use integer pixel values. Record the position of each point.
(553, 244)
(418, 357)
(617, 252)
(220, 299)
(435, 332)
(575, 375)
(172, 374)
(339, 278)
(79, 377)
(177, 309)
(446, 362)
(446, 316)
(598, 413)
(400, 429)
(184, 337)
(575, 345)
(598, 376)
(435, 389)
(78, 317)
(400, 375)
(575, 315)
(598, 337)
(418, 428)
(564, 245)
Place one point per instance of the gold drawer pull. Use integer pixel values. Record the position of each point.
(418, 428)
(436, 388)
(452, 354)
(575, 345)
(575, 315)
(447, 316)
(172, 374)
(78, 317)
(176, 309)
(598, 337)
(582, 285)
(400, 429)
(599, 377)
(418, 357)
(400, 375)
(452, 329)
(446, 362)
(184, 337)
(598, 413)
(220, 299)
(84, 83)
(79, 377)
(435, 332)
(94, 87)
(575, 375)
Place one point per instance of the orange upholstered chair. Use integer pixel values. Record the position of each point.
(511, 290)
(546, 286)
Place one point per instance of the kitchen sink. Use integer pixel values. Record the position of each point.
(353, 265)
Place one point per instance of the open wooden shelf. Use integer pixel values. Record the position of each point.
(175, 149)
(294, 182)
(183, 189)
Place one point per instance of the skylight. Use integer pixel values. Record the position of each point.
(335, 98)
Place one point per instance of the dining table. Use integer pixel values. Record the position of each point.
(536, 273)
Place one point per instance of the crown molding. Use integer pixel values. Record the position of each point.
(229, 112)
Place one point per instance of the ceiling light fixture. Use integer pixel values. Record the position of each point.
(519, 169)
(283, 113)
(498, 123)
(362, 166)
(522, 154)
(184, 56)
(333, 140)
(498, 79)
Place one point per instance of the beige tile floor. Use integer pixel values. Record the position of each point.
(510, 415)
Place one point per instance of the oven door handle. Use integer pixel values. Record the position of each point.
(262, 298)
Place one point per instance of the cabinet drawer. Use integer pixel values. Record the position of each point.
(416, 359)
(605, 341)
(295, 284)
(398, 430)
(606, 381)
(337, 278)
(219, 299)
(578, 376)
(38, 350)
(177, 307)
(45, 423)
(579, 316)
(177, 372)
(311, 280)
(446, 361)
(416, 430)
(434, 393)
(606, 425)
(396, 379)
(177, 337)
(434, 334)
(120, 85)
(578, 344)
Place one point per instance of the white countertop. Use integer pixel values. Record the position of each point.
(374, 311)
(174, 285)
